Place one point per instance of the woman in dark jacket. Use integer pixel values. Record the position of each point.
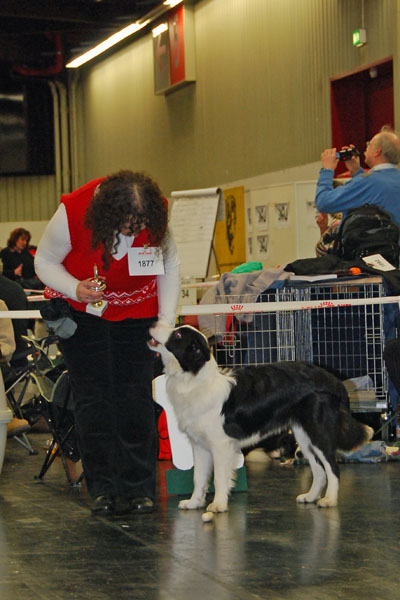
(18, 262)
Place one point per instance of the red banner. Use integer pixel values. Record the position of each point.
(176, 46)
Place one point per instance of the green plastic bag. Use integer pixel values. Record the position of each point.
(248, 267)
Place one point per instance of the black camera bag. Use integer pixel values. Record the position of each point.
(366, 230)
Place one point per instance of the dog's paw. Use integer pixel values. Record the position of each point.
(305, 498)
(190, 504)
(217, 507)
(327, 502)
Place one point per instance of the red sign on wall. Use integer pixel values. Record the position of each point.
(176, 46)
(173, 52)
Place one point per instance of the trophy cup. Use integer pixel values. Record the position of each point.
(97, 308)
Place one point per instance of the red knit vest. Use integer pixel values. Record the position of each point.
(128, 296)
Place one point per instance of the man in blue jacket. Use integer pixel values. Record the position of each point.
(381, 185)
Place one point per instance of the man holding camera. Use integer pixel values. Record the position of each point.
(381, 185)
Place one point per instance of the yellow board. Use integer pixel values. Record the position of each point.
(230, 245)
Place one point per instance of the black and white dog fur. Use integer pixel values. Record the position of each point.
(224, 411)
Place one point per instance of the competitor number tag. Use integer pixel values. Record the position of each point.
(145, 261)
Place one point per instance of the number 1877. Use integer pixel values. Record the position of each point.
(146, 263)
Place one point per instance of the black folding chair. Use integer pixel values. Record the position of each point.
(55, 403)
(16, 384)
(53, 400)
(34, 359)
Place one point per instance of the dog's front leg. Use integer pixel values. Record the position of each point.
(202, 470)
(224, 460)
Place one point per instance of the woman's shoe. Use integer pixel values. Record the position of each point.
(104, 506)
(141, 505)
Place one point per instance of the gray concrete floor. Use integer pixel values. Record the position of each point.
(266, 546)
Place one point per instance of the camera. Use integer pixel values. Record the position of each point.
(347, 154)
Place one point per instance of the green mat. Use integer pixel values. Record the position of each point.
(181, 482)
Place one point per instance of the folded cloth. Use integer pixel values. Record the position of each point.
(371, 452)
(58, 318)
(235, 288)
(328, 263)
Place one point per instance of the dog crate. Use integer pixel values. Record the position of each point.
(347, 340)
(255, 338)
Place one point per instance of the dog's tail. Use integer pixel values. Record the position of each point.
(352, 434)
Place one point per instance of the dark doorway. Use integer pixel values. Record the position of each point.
(361, 103)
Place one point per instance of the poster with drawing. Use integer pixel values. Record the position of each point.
(262, 241)
(230, 234)
(257, 210)
(261, 216)
(281, 215)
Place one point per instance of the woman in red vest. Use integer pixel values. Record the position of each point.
(113, 231)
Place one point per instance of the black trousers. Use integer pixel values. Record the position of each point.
(111, 370)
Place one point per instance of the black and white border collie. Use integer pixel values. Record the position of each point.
(224, 411)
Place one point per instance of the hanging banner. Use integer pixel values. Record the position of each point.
(230, 244)
(173, 51)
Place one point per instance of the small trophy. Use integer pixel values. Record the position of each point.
(97, 308)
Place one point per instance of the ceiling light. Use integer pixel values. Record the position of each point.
(159, 29)
(172, 3)
(108, 43)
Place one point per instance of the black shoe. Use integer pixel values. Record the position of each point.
(141, 505)
(104, 506)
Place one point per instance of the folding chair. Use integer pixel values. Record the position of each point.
(17, 379)
(52, 400)
(56, 404)
(16, 384)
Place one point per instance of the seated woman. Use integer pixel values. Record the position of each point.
(15, 298)
(18, 262)
(328, 231)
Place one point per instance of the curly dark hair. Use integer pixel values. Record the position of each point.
(16, 234)
(125, 199)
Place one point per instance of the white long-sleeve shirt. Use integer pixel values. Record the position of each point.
(55, 245)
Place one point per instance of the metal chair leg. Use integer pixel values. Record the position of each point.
(22, 439)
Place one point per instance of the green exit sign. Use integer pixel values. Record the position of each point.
(359, 37)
